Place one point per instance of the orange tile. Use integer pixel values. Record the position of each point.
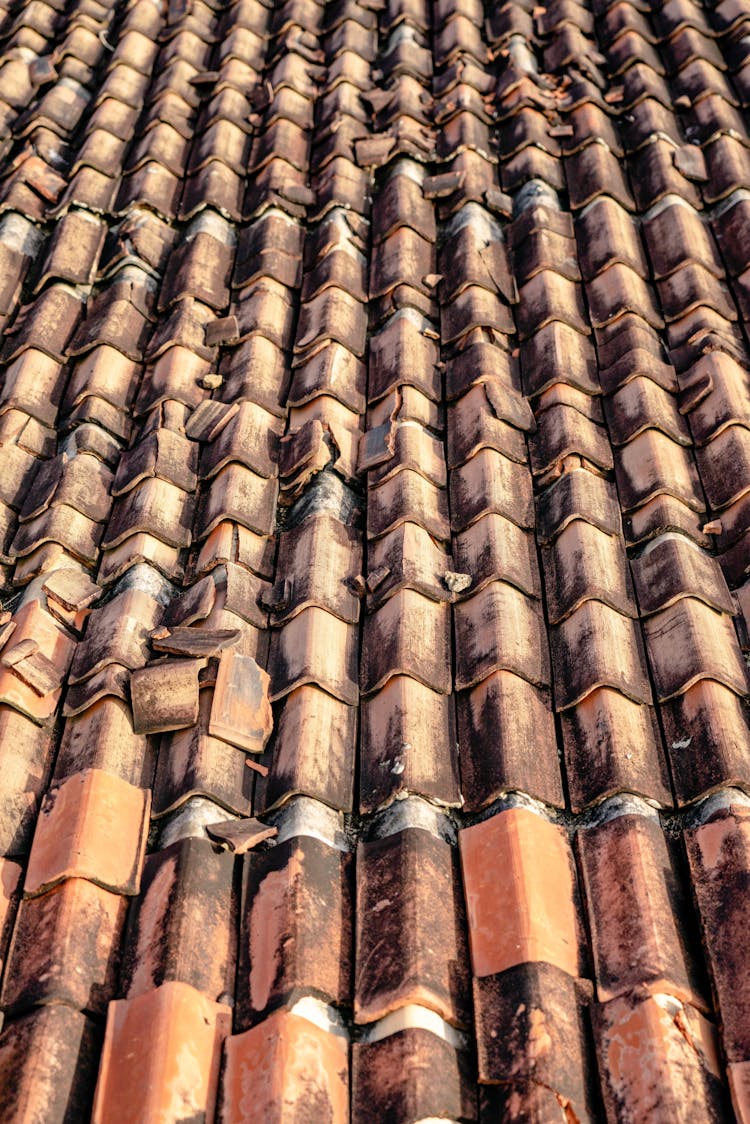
(91, 825)
(10, 878)
(658, 1060)
(738, 1074)
(521, 893)
(161, 1057)
(286, 1068)
(241, 710)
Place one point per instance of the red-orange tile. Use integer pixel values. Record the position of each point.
(658, 1059)
(285, 1068)
(521, 893)
(161, 1057)
(91, 825)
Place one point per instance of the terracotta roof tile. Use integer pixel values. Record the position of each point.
(296, 926)
(48, 1063)
(412, 1071)
(64, 948)
(161, 1027)
(404, 876)
(288, 1061)
(320, 313)
(660, 1029)
(540, 904)
(638, 930)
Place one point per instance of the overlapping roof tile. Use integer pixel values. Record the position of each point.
(374, 556)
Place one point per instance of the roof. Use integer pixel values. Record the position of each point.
(374, 534)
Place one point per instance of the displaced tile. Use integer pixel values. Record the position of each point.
(240, 710)
(165, 696)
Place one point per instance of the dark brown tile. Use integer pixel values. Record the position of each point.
(497, 721)
(417, 951)
(183, 924)
(533, 1000)
(48, 1065)
(296, 927)
(411, 1074)
(638, 912)
(65, 949)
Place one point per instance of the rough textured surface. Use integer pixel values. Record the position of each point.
(374, 555)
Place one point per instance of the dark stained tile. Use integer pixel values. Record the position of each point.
(409, 634)
(673, 568)
(533, 999)
(497, 721)
(586, 563)
(408, 745)
(717, 853)
(411, 879)
(500, 628)
(187, 896)
(411, 1074)
(688, 642)
(612, 744)
(706, 734)
(639, 925)
(314, 647)
(65, 949)
(48, 1065)
(296, 927)
(581, 648)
